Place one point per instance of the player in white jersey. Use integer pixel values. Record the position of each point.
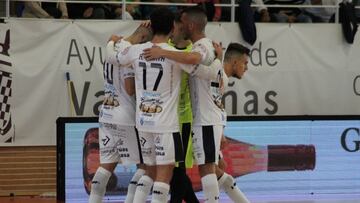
(235, 65)
(118, 138)
(157, 93)
(206, 94)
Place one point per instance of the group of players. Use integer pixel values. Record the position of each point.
(178, 78)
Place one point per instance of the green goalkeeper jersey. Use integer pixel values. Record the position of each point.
(184, 108)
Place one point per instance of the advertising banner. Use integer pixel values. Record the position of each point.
(301, 69)
(266, 155)
(6, 87)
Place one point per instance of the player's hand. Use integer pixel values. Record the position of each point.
(115, 38)
(145, 23)
(218, 50)
(152, 53)
(223, 142)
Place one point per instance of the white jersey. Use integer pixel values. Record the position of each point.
(206, 95)
(157, 88)
(226, 85)
(118, 107)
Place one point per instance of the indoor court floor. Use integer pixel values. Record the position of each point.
(354, 198)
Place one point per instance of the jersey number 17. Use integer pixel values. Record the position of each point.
(158, 78)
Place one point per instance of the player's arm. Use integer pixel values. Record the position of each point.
(129, 81)
(110, 50)
(208, 72)
(181, 57)
(204, 72)
(130, 86)
(122, 57)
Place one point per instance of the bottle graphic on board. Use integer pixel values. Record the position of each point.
(118, 182)
(241, 158)
(244, 158)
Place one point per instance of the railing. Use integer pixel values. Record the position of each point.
(233, 5)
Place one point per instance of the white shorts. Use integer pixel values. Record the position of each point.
(119, 143)
(206, 143)
(161, 148)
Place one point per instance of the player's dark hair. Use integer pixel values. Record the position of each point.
(235, 49)
(162, 21)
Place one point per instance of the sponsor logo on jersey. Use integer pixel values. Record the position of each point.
(142, 141)
(105, 140)
(151, 103)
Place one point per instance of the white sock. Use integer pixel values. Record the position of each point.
(160, 192)
(210, 188)
(228, 183)
(132, 186)
(98, 185)
(143, 189)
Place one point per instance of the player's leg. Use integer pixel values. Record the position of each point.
(209, 182)
(190, 196)
(161, 185)
(133, 183)
(180, 185)
(108, 161)
(144, 185)
(177, 185)
(168, 149)
(146, 181)
(99, 182)
(187, 140)
(130, 152)
(206, 147)
(228, 184)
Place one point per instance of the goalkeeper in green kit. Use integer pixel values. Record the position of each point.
(180, 185)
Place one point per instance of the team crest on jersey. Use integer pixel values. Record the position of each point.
(202, 48)
(120, 142)
(157, 140)
(126, 50)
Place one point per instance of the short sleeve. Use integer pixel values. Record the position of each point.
(189, 68)
(202, 50)
(119, 54)
(128, 73)
(126, 56)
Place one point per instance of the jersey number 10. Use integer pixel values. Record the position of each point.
(108, 73)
